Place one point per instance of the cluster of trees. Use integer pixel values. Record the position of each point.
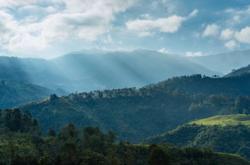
(90, 146)
(14, 120)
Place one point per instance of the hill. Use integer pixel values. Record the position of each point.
(225, 62)
(21, 143)
(204, 85)
(15, 93)
(138, 113)
(228, 133)
(240, 72)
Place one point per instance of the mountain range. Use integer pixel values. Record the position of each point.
(87, 71)
(13, 93)
(225, 62)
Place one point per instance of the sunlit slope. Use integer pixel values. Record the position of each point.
(225, 120)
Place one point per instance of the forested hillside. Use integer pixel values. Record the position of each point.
(240, 72)
(138, 113)
(228, 133)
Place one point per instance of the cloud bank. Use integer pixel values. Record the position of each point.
(42, 23)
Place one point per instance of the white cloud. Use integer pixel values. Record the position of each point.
(233, 38)
(169, 24)
(231, 44)
(237, 15)
(46, 22)
(16, 3)
(227, 34)
(145, 34)
(211, 30)
(194, 54)
(243, 35)
(163, 50)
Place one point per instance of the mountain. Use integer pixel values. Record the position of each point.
(123, 69)
(225, 62)
(22, 143)
(86, 71)
(229, 133)
(17, 93)
(138, 113)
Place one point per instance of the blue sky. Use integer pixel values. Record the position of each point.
(49, 28)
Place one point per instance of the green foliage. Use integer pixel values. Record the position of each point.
(158, 157)
(15, 121)
(90, 146)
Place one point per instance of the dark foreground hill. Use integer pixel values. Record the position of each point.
(135, 114)
(22, 144)
(228, 133)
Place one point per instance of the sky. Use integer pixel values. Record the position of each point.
(49, 28)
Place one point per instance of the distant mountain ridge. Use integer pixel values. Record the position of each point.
(13, 93)
(224, 62)
(81, 71)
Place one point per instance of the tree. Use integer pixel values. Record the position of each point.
(68, 132)
(158, 157)
(52, 133)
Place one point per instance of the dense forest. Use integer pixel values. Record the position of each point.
(22, 143)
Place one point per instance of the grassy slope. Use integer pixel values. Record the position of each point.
(225, 120)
